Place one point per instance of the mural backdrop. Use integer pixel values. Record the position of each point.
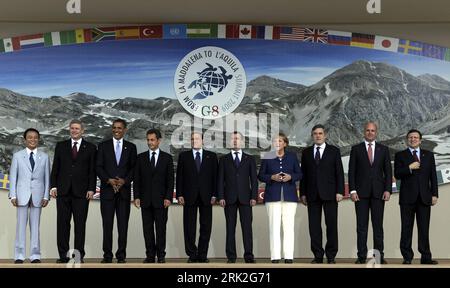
(306, 75)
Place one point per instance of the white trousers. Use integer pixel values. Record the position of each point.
(34, 214)
(281, 213)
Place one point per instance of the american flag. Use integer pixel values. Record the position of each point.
(291, 33)
(315, 35)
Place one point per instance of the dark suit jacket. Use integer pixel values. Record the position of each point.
(107, 167)
(237, 184)
(153, 185)
(325, 180)
(421, 182)
(290, 166)
(192, 184)
(370, 181)
(78, 175)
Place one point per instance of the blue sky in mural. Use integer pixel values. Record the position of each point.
(145, 68)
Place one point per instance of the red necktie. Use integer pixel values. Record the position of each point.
(369, 153)
(74, 151)
(415, 156)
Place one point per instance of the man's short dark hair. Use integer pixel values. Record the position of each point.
(156, 132)
(237, 132)
(414, 131)
(31, 130)
(124, 123)
(318, 126)
(76, 121)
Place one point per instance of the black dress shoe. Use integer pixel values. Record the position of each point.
(63, 260)
(162, 260)
(429, 262)
(121, 261)
(276, 261)
(18, 261)
(406, 262)
(383, 261)
(149, 260)
(106, 260)
(288, 261)
(231, 260)
(203, 260)
(361, 261)
(192, 260)
(331, 261)
(250, 261)
(36, 261)
(317, 261)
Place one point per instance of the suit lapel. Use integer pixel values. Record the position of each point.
(325, 153)
(158, 162)
(38, 160)
(26, 159)
(376, 154)
(365, 153)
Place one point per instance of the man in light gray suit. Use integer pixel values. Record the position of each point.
(29, 192)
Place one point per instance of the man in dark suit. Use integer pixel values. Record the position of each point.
(370, 184)
(153, 193)
(116, 158)
(237, 190)
(196, 191)
(73, 183)
(416, 169)
(322, 187)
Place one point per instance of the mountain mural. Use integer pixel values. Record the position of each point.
(343, 101)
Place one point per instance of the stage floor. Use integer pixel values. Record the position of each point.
(220, 263)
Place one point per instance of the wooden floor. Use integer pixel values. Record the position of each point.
(221, 263)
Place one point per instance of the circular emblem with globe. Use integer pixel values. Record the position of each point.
(210, 82)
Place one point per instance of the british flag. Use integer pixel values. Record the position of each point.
(315, 35)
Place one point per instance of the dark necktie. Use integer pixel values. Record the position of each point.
(198, 161)
(415, 156)
(152, 161)
(317, 156)
(32, 161)
(236, 159)
(369, 153)
(74, 151)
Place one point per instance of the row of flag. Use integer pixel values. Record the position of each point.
(225, 31)
(443, 177)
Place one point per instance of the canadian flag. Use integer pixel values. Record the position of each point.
(386, 43)
(245, 31)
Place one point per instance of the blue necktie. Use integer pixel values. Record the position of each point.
(32, 161)
(198, 161)
(118, 153)
(236, 159)
(317, 157)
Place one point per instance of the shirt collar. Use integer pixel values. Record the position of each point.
(29, 151)
(195, 151)
(239, 152)
(78, 141)
(120, 141)
(367, 143)
(322, 146)
(151, 151)
(412, 150)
